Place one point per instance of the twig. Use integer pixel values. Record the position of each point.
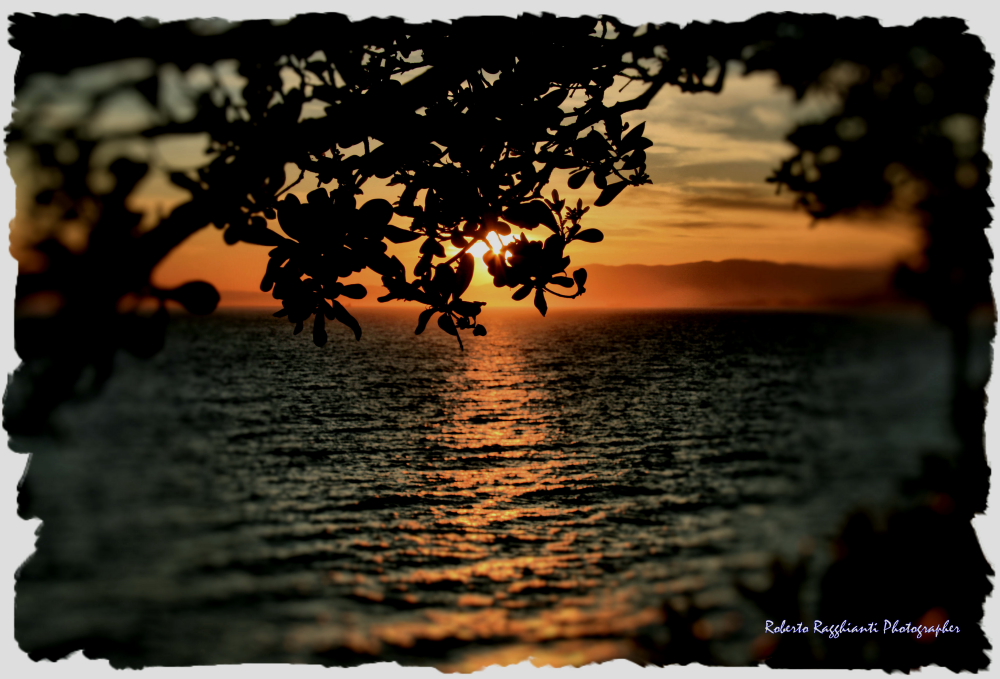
(553, 292)
(302, 175)
(458, 332)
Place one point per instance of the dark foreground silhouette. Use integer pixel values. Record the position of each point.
(471, 118)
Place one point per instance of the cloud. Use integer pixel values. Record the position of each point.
(699, 202)
(753, 106)
(698, 224)
(662, 170)
(630, 232)
(700, 196)
(730, 203)
(744, 125)
(644, 197)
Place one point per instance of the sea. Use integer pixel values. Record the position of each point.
(553, 491)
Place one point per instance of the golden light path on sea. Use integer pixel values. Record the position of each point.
(497, 542)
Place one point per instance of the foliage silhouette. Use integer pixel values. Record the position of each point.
(471, 119)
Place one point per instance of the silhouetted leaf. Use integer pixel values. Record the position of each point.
(397, 235)
(590, 236)
(554, 246)
(479, 331)
(564, 162)
(555, 97)
(580, 276)
(423, 319)
(432, 247)
(382, 264)
(633, 138)
(344, 316)
(613, 126)
(443, 281)
(577, 180)
(354, 291)
(375, 213)
(293, 217)
(466, 267)
(467, 308)
(593, 147)
(637, 159)
(267, 282)
(446, 324)
(610, 193)
(521, 293)
(529, 215)
(562, 281)
(540, 302)
(400, 270)
(259, 234)
(423, 266)
(319, 330)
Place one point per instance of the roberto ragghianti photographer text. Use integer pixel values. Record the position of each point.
(845, 627)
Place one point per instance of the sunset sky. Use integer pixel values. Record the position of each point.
(709, 200)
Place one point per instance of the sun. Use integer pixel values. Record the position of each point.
(479, 249)
(495, 243)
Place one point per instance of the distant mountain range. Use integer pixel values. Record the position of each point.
(737, 283)
(730, 283)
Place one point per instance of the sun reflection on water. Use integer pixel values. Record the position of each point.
(497, 554)
(553, 493)
(508, 539)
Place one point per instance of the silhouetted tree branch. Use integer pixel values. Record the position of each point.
(470, 119)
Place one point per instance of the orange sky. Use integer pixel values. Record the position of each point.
(709, 199)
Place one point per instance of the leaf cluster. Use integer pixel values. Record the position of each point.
(470, 120)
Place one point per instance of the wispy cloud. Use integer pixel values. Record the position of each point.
(729, 202)
(700, 197)
(723, 134)
(631, 232)
(698, 224)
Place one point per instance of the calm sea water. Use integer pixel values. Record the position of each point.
(247, 497)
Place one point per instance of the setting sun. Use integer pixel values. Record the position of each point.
(543, 339)
(479, 249)
(496, 242)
